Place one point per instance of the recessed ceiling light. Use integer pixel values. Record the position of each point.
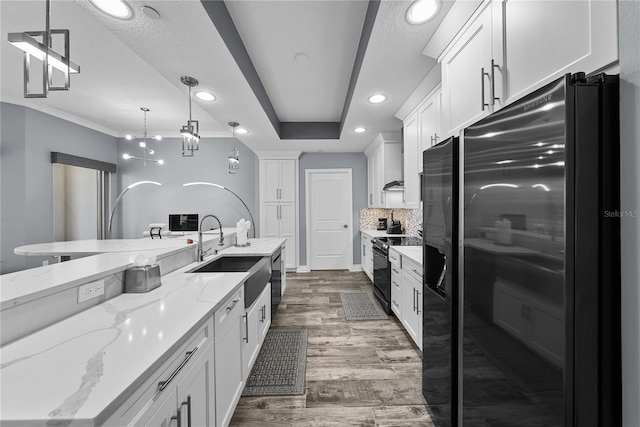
(242, 131)
(115, 8)
(205, 96)
(359, 130)
(377, 98)
(421, 11)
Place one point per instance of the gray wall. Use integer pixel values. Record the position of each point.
(357, 162)
(27, 139)
(147, 204)
(629, 16)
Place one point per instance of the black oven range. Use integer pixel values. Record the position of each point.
(381, 266)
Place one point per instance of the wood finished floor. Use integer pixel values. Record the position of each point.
(359, 373)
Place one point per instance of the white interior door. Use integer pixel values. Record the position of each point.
(329, 219)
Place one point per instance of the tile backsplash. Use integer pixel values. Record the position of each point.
(411, 219)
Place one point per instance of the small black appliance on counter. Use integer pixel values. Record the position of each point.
(382, 223)
(395, 228)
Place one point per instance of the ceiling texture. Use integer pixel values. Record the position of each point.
(296, 73)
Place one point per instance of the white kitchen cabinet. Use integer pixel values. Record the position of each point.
(278, 204)
(579, 32)
(229, 380)
(421, 131)
(185, 378)
(396, 283)
(466, 74)
(503, 53)
(366, 253)
(411, 149)
(196, 393)
(279, 180)
(257, 320)
(384, 163)
(535, 321)
(411, 306)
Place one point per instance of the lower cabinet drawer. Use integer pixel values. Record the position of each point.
(229, 310)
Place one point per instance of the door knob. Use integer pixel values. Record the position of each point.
(345, 226)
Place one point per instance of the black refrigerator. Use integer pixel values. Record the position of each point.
(521, 263)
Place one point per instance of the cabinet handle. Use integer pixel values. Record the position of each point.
(246, 327)
(395, 271)
(493, 83)
(188, 403)
(235, 301)
(417, 302)
(414, 300)
(416, 271)
(482, 74)
(177, 417)
(370, 198)
(163, 384)
(262, 314)
(382, 197)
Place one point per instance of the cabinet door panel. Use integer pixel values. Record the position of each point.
(462, 80)
(198, 387)
(288, 230)
(228, 370)
(287, 181)
(251, 344)
(411, 149)
(271, 180)
(162, 416)
(370, 182)
(579, 31)
(271, 220)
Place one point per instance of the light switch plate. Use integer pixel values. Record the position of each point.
(90, 291)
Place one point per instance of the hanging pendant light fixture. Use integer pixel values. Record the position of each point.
(234, 154)
(43, 52)
(146, 151)
(189, 132)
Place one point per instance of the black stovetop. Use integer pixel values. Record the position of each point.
(386, 241)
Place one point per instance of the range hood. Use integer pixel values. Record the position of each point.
(394, 186)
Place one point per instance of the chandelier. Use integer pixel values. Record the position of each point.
(189, 132)
(49, 58)
(234, 154)
(146, 151)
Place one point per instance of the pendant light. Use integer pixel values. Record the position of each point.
(146, 151)
(189, 132)
(44, 52)
(234, 154)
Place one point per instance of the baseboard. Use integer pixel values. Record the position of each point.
(303, 269)
(356, 267)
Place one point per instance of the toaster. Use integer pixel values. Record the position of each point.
(142, 279)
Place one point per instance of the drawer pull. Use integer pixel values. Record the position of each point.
(235, 301)
(246, 327)
(395, 271)
(163, 384)
(415, 271)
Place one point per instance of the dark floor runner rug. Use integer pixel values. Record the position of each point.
(280, 367)
(361, 306)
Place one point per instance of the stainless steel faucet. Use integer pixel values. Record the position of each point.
(220, 243)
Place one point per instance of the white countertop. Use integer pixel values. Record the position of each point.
(112, 256)
(84, 367)
(92, 247)
(412, 252)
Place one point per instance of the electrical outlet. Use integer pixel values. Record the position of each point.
(90, 291)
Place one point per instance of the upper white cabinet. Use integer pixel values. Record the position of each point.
(543, 40)
(384, 165)
(512, 47)
(279, 204)
(467, 74)
(421, 131)
(279, 180)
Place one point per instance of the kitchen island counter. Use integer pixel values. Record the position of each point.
(80, 370)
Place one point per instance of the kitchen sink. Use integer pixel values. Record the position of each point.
(259, 269)
(228, 265)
